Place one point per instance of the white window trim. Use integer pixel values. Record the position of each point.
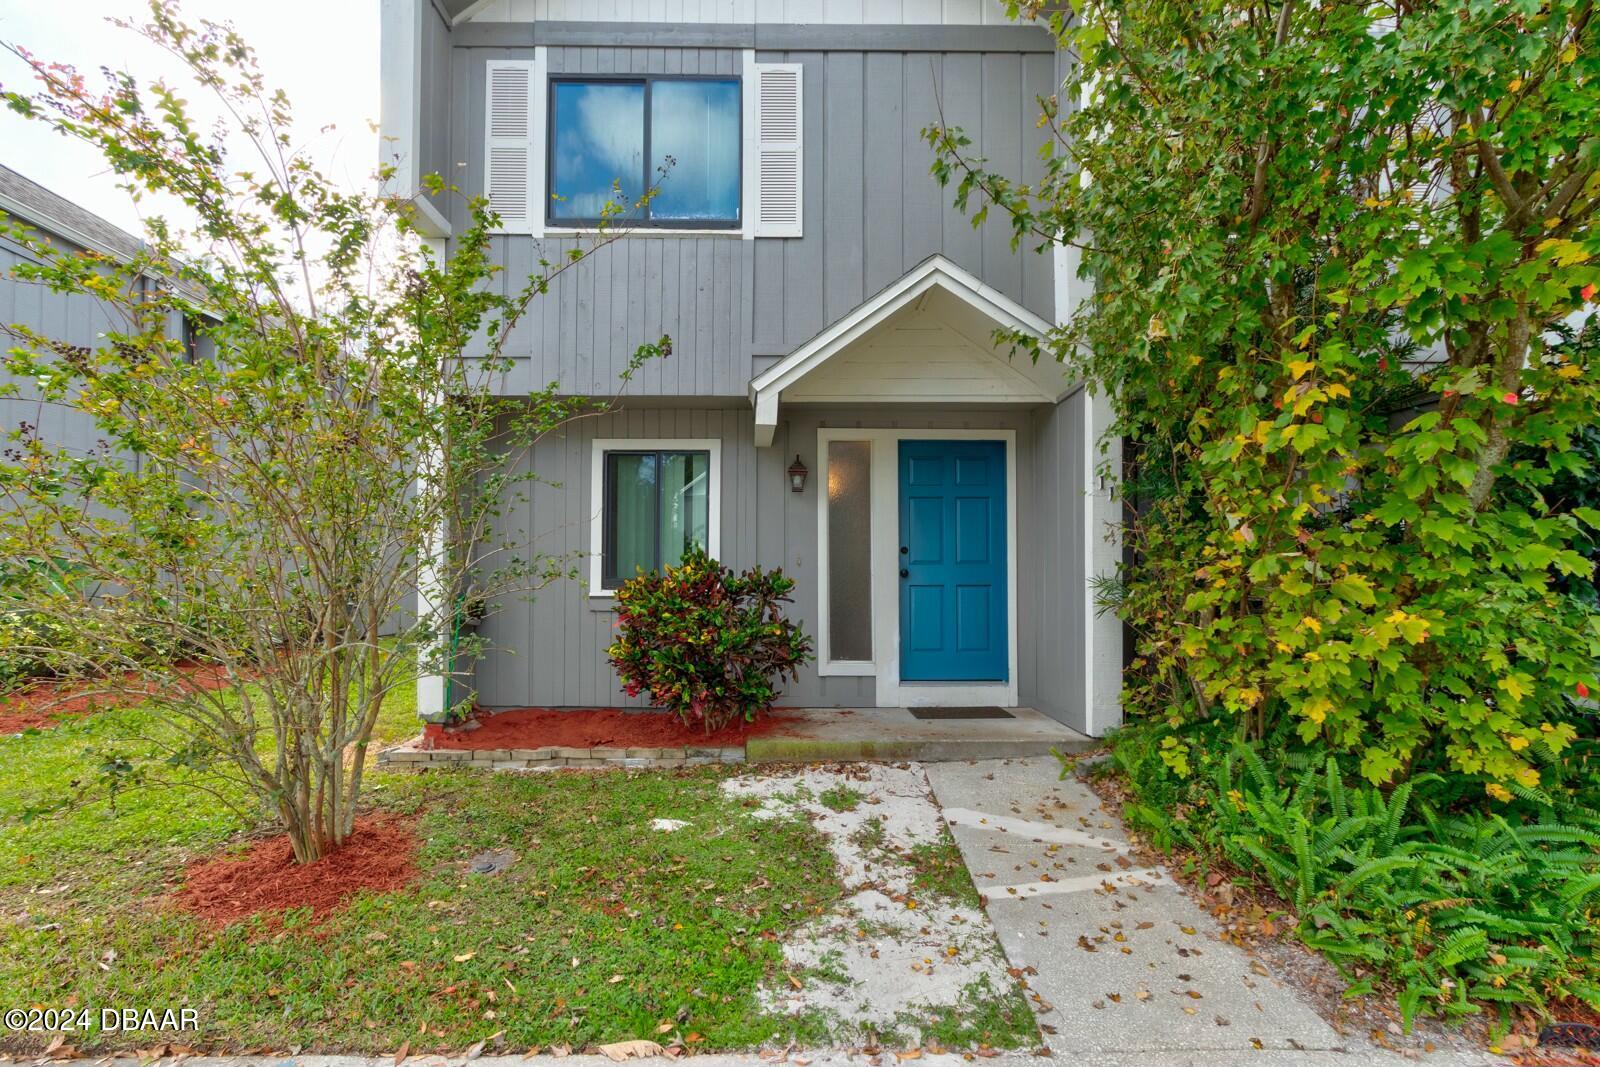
(624, 230)
(885, 507)
(621, 227)
(539, 176)
(597, 495)
(750, 176)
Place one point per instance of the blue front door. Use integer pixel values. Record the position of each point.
(953, 561)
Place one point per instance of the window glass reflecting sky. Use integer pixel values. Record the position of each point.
(696, 123)
(599, 143)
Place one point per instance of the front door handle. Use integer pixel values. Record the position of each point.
(904, 573)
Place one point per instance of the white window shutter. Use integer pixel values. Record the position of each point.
(774, 162)
(513, 165)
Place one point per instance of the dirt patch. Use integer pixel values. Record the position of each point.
(886, 955)
(597, 728)
(265, 880)
(48, 703)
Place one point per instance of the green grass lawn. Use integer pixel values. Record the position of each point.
(602, 930)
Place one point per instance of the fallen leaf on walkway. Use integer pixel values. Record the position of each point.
(621, 1050)
(400, 1054)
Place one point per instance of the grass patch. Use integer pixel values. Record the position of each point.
(870, 835)
(601, 931)
(987, 1016)
(939, 871)
(841, 798)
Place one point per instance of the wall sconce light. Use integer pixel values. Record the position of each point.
(797, 475)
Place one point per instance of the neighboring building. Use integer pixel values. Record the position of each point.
(829, 309)
(68, 318)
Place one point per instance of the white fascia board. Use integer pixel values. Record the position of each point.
(428, 220)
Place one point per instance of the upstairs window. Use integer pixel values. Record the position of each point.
(613, 138)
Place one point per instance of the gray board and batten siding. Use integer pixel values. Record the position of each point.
(549, 650)
(872, 210)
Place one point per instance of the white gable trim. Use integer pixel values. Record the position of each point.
(934, 272)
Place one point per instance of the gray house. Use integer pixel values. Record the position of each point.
(835, 403)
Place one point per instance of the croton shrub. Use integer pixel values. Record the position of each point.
(705, 643)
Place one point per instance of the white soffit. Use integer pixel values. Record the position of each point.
(926, 338)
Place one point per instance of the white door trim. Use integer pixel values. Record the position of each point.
(885, 471)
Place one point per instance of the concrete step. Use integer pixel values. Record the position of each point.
(893, 734)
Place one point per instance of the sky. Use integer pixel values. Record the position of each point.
(322, 53)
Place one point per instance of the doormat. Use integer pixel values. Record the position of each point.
(961, 713)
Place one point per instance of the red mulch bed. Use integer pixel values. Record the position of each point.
(47, 703)
(380, 856)
(597, 728)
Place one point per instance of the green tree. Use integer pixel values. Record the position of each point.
(261, 510)
(1328, 244)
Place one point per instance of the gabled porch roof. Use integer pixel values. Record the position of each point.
(926, 338)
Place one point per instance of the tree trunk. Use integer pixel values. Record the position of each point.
(1506, 377)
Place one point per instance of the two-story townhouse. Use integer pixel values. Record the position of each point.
(835, 403)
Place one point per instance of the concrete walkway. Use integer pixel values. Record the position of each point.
(1123, 964)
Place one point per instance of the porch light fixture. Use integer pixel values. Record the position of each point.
(797, 475)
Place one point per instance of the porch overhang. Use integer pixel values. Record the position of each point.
(925, 338)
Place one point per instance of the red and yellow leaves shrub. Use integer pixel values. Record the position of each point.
(705, 643)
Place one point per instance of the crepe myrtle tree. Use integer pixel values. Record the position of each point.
(254, 502)
(1328, 245)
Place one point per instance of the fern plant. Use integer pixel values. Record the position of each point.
(1455, 910)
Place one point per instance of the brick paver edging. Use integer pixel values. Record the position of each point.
(411, 756)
